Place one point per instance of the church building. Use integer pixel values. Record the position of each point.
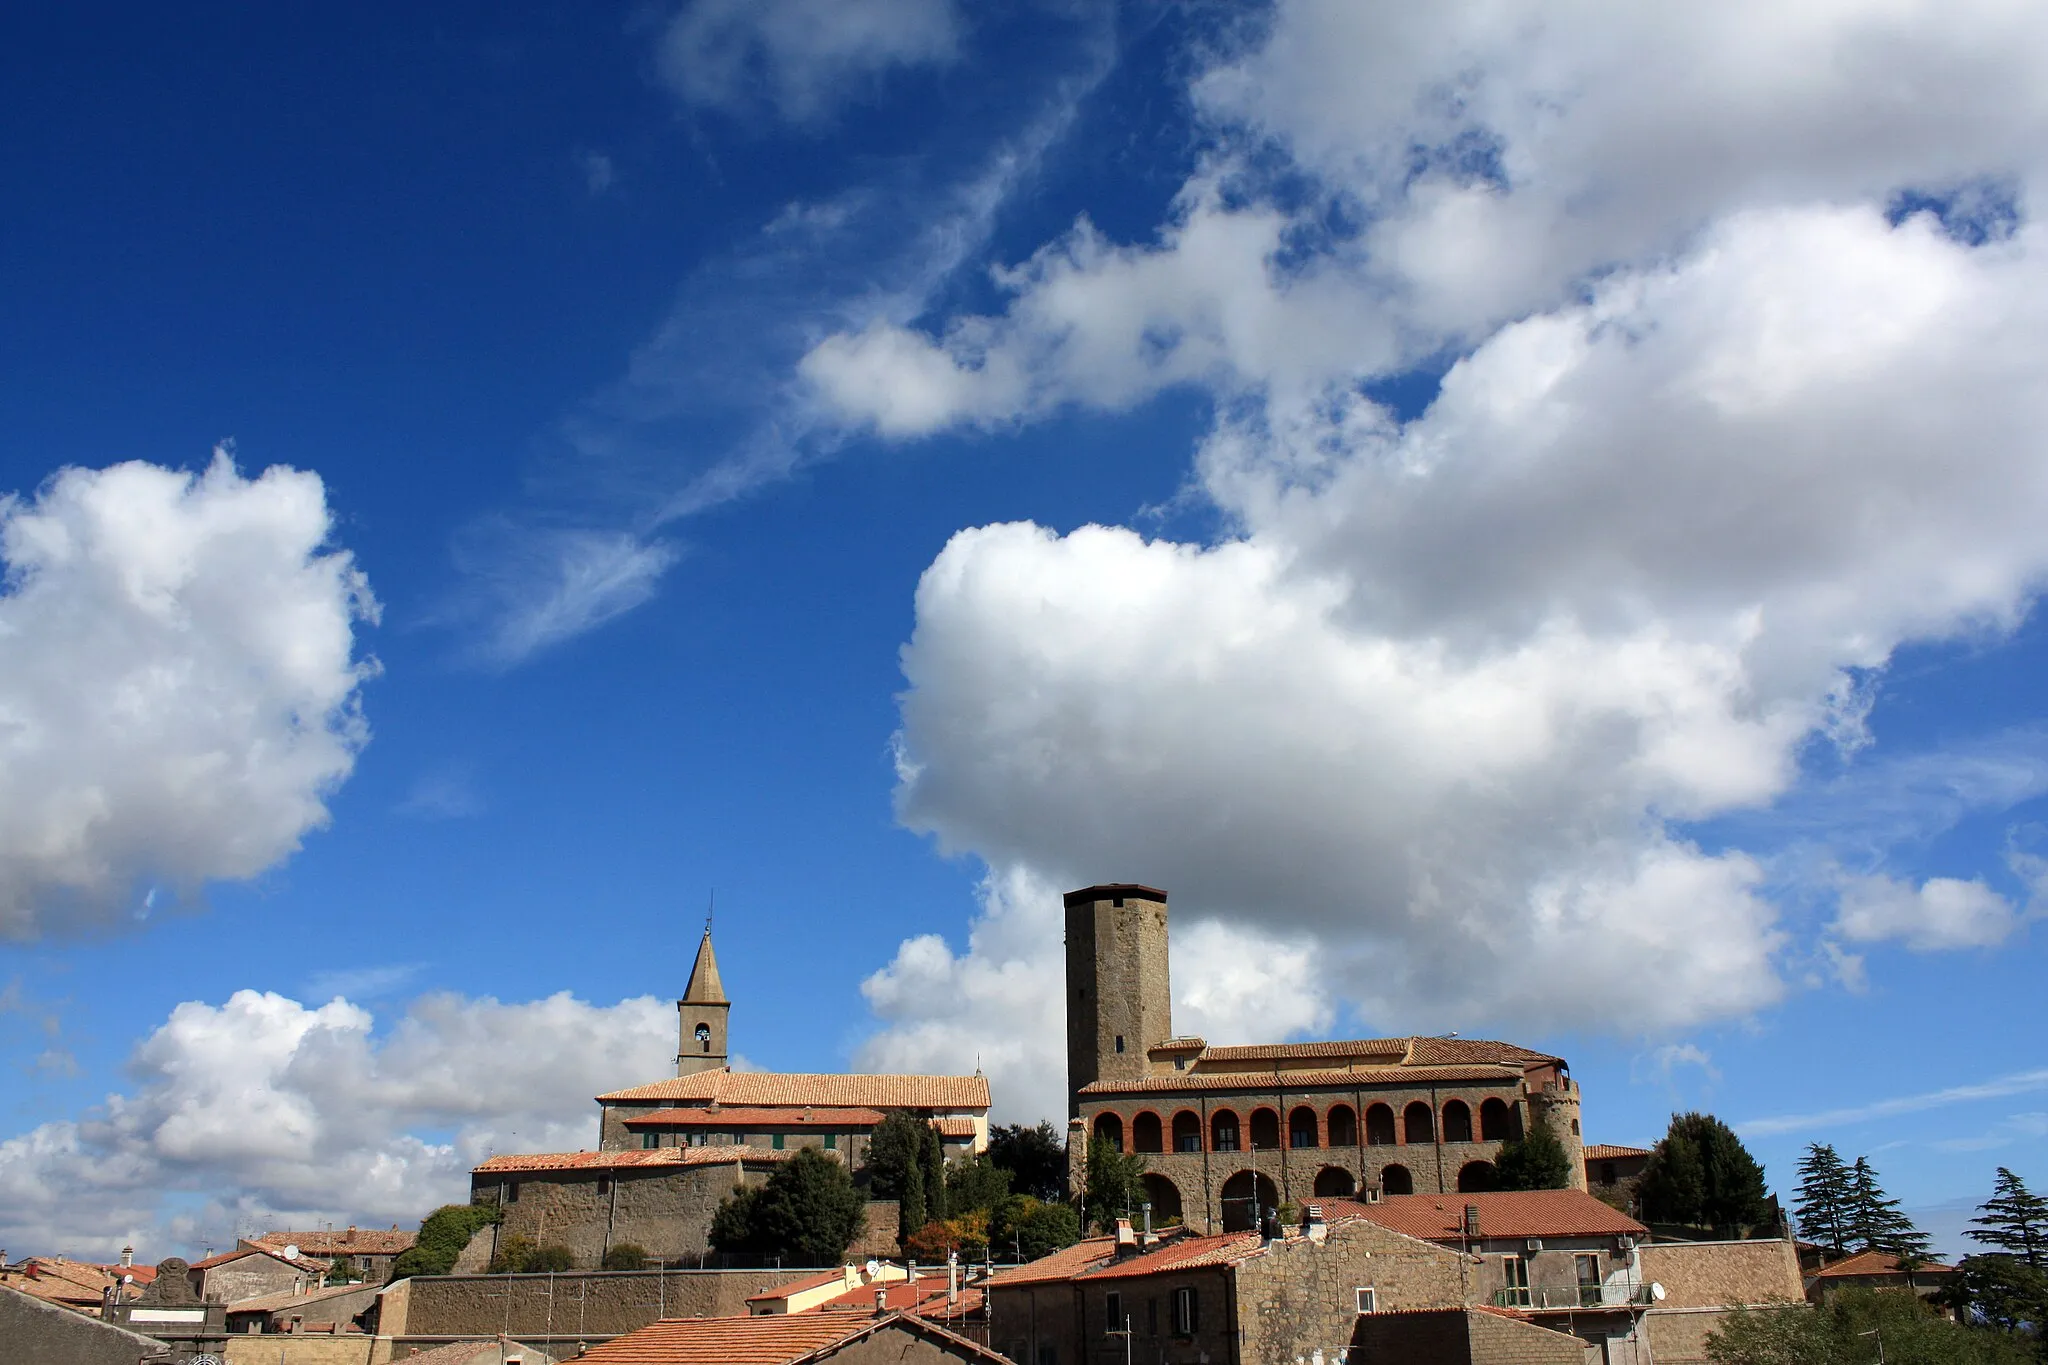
(1227, 1131)
(669, 1150)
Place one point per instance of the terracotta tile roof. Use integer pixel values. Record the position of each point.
(758, 1116)
(271, 1303)
(58, 1279)
(653, 1156)
(1426, 1051)
(1187, 1253)
(1060, 1265)
(310, 1263)
(1877, 1263)
(347, 1242)
(925, 1296)
(1294, 1081)
(775, 1339)
(1604, 1151)
(1393, 1050)
(955, 1127)
(1526, 1213)
(783, 1291)
(787, 1088)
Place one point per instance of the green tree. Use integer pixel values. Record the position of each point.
(2014, 1219)
(551, 1256)
(976, 1183)
(935, 1205)
(1701, 1175)
(910, 1208)
(1115, 1184)
(807, 1212)
(1036, 1159)
(1534, 1161)
(894, 1146)
(1839, 1332)
(342, 1270)
(1029, 1228)
(443, 1235)
(1875, 1220)
(626, 1256)
(2001, 1291)
(1823, 1203)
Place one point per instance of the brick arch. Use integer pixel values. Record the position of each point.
(1477, 1177)
(1109, 1128)
(1418, 1123)
(1396, 1179)
(1187, 1131)
(1265, 1129)
(1224, 1134)
(1457, 1121)
(1379, 1126)
(1334, 1182)
(1343, 1126)
(1243, 1196)
(1302, 1128)
(1496, 1120)
(1164, 1197)
(1147, 1133)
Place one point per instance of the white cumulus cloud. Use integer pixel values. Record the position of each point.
(179, 688)
(1747, 304)
(267, 1111)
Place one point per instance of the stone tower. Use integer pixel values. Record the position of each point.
(1556, 1106)
(1119, 1005)
(701, 1016)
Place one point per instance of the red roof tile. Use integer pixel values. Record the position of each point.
(784, 1088)
(783, 1291)
(342, 1242)
(652, 1156)
(1060, 1265)
(1878, 1263)
(270, 1303)
(1187, 1253)
(773, 1339)
(1296, 1081)
(1602, 1151)
(302, 1263)
(1526, 1213)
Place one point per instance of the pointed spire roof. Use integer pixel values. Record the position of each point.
(705, 988)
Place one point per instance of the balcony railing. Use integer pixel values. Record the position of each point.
(1547, 1297)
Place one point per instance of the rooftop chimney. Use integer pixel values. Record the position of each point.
(1472, 1220)
(127, 1257)
(881, 1300)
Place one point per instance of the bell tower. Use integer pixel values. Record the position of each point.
(1119, 1000)
(701, 1015)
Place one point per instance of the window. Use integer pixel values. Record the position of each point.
(1119, 1042)
(776, 1142)
(1367, 1300)
(1223, 1132)
(831, 1141)
(1152, 1317)
(1180, 1064)
(1048, 1355)
(649, 1141)
(1589, 1279)
(511, 1191)
(1515, 1274)
(1607, 1176)
(604, 1184)
(1187, 1132)
(1113, 1312)
(1187, 1312)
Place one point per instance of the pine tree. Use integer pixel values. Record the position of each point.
(1536, 1161)
(1875, 1222)
(2014, 1219)
(1823, 1205)
(911, 1213)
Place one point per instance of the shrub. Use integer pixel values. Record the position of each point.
(443, 1235)
(626, 1256)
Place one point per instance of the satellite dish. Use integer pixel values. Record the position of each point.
(291, 1253)
(1657, 1291)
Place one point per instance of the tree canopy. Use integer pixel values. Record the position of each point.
(443, 1235)
(1701, 1175)
(807, 1212)
(1115, 1184)
(895, 1145)
(1028, 1228)
(1534, 1161)
(1838, 1333)
(1875, 1221)
(1823, 1199)
(1036, 1159)
(2014, 1219)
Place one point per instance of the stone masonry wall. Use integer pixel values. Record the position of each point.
(664, 1210)
(1719, 1274)
(251, 1277)
(1504, 1341)
(1301, 1294)
(894, 1346)
(1149, 1301)
(280, 1349)
(601, 1304)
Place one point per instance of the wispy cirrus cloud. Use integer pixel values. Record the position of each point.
(2018, 1083)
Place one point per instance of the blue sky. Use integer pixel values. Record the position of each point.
(1564, 495)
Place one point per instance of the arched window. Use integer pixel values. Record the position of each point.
(1457, 1122)
(1418, 1124)
(1145, 1133)
(1496, 1121)
(1396, 1180)
(1223, 1131)
(1246, 1195)
(1343, 1126)
(1301, 1128)
(1379, 1126)
(1334, 1182)
(1110, 1129)
(1164, 1197)
(1187, 1131)
(1265, 1130)
(1477, 1177)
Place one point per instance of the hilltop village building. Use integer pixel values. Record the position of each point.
(1228, 1132)
(670, 1150)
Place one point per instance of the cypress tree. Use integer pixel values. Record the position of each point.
(2013, 1219)
(934, 1174)
(1823, 1205)
(1701, 1175)
(910, 1212)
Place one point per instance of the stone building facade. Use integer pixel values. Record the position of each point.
(1227, 1131)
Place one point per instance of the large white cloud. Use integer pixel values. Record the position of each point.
(266, 1112)
(1750, 307)
(178, 683)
